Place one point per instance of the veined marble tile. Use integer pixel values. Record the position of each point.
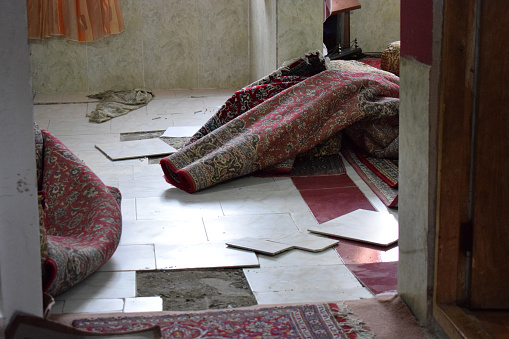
(79, 143)
(333, 278)
(143, 304)
(301, 258)
(135, 149)
(180, 131)
(265, 226)
(103, 285)
(82, 126)
(197, 119)
(150, 187)
(165, 208)
(61, 112)
(204, 255)
(205, 92)
(306, 242)
(311, 296)
(128, 209)
(176, 105)
(258, 245)
(263, 202)
(243, 184)
(93, 306)
(131, 258)
(178, 229)
(366, 226)
(146, 123)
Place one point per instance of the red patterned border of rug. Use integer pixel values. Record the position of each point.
(385, 169)
(331, 320)
(387, 194)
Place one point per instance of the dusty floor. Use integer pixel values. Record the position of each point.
(198, 289)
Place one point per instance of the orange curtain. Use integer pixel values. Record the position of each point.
(80, 20)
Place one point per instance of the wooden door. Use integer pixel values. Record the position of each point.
(489, 287)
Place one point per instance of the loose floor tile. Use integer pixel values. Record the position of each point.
(94, 306)
(366, 226)
(311, 296)
(180, 131)
(178, 229)
(204, 255)
(266, 226)
(166, 208)
(131, 258)
(259, 245)
(307, 242)
(101, 285)
(135, 149)
(300, 258)
(143, 304)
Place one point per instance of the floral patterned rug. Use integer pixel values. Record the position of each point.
(331, 320)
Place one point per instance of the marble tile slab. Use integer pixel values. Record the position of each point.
(361, 225)
(135, 149)
(143, 304)
(203, 255)
(311, 296)
(103, 285)
(131, 258)
(300, 258)
(259, 245)
(266, 226)
(167, 207)
(93, 306)
(307, 242)
(180, 131)
(179, 229)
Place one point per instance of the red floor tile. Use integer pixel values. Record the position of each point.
(377, 277)
(323, 181)
(328, 204)
(354, 252)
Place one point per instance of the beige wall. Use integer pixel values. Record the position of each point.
(166, 44)
(375, 24)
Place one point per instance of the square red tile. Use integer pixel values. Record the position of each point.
(377, 277)
(323, 181)
(330, 203)
(354, 252)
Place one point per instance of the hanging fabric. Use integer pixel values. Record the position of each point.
(79, 20)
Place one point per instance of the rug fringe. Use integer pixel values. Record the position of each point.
(356, 325)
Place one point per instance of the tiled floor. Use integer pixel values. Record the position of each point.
(166, 228)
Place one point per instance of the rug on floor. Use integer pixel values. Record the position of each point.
(330, 320)
(387, 194)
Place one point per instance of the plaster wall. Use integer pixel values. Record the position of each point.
(166, 44)
(263, 38)
(414, 166)
(376, 24)
(20, 267)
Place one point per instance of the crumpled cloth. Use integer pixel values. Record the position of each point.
(116, 103)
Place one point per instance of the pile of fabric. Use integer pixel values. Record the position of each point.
(300, 108)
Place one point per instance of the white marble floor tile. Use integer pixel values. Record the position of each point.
(199, 118)
(204, 255)
(301, 258)
(113, 173)
(96, 158)
(150, 186)
(263, 203)
(61, 98)
(136, 123)
(178, 229)
(101, 285)
(131, 258)
(166, 208)
(93, 306)
(266, 226)
(243, 184)
(259, 245)
(304, 219)
(80, 126)
(361, 225)
(180, 131)
(79, 143)
(135, 149)
(61, 112)
(176, 105)
(301, 278)
(204, 92)
(284, 183)
(128, 208)
(311, 296)
(307, 242)
(143, 304)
